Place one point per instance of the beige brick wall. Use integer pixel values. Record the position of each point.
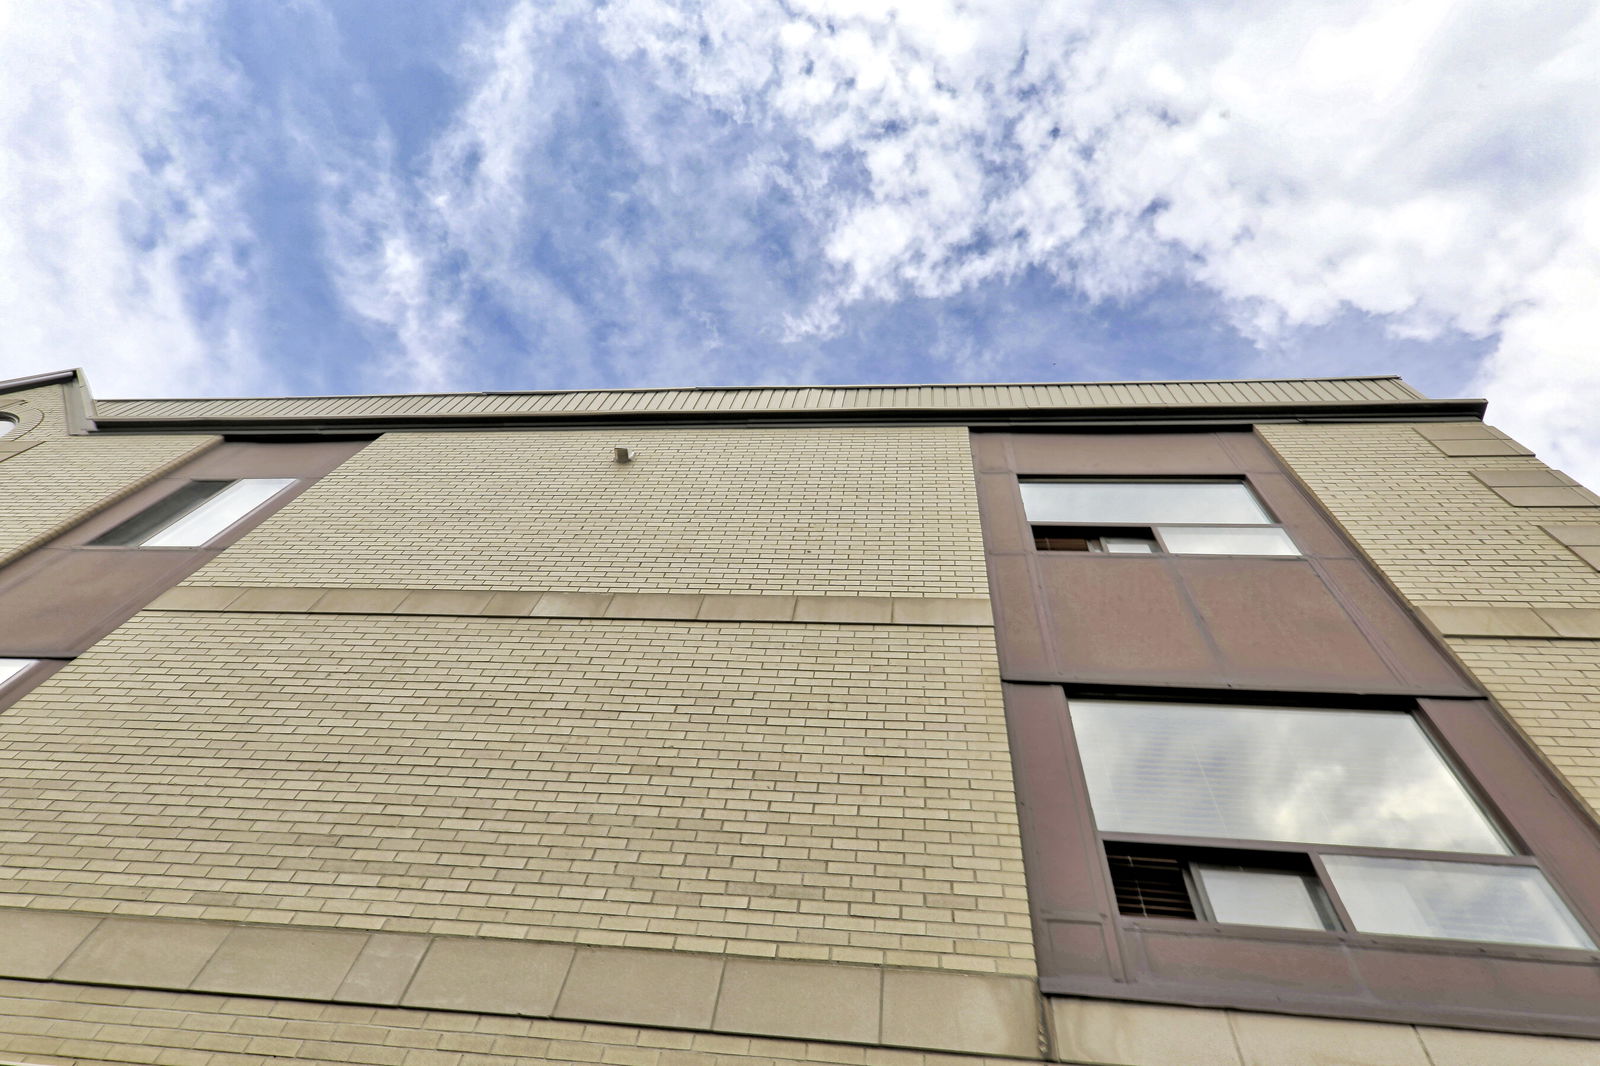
(1445, 539)
(1552, 688)
(819, 511)
(1439, 534)
(802, 791)
(67, 1025)
(64, 478)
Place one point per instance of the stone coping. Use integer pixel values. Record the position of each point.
(1539, 623)
(659, 606)
(964, 1013)
(1108, 1033)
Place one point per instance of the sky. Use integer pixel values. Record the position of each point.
(200, 197)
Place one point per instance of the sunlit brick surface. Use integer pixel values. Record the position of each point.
(1436, 531)
(803, 791)
(819, 511)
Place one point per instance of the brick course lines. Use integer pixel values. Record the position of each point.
(78, 1025)
(797, 791)
(50, 487)
(1552, 689)
(840, 511)
(1439, 533)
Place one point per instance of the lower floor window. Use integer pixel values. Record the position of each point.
(1305, 818)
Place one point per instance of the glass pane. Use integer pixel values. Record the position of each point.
(10, 668)
(218, 513)
(1259, 897)
(1457, 900)
(1142, 502)
(1227, 540)
(1127, 545)
(6, 425)
(185, 499)
(1361, 778)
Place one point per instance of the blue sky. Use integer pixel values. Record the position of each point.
(210, 198)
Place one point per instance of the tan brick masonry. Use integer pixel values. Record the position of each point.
(799, 791)
(818, 511)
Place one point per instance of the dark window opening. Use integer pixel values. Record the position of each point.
(1149, 883)
(1115, 539)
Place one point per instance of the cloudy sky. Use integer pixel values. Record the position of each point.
(213, 198)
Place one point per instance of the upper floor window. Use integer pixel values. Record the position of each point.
(1180, 517)
(1305, 818)
(195, 514)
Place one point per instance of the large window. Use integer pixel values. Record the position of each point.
(1304, 818)
(195, 514)
(1180, 517)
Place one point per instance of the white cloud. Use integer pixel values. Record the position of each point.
(123, 247)
(1430, 161)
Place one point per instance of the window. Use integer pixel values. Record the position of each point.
(1308, 819)
(194, 514)
(10, 668)
(8, 423)
(1178, 517)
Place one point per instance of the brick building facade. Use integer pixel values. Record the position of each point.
(479, 742)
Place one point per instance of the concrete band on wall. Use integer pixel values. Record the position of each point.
(877, 1006)
(405, 981)
(660, 606)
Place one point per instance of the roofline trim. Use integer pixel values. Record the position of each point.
(773, 388)
(1330, 411)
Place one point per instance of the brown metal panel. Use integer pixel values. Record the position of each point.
(1020, 634)
(1061, 849)
(989, 451)
(1422, 665)
(1111, 454)
(1529, 796)
(1005, 526)
(58, 603)
(1283, 966)
(1277, 625)
(1550, 988)
(242, 459)
(1250, 453)
(1123, 618)
(1425, 979)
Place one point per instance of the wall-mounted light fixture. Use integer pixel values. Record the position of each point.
(624, 455)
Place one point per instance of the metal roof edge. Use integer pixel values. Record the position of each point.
(52, 377)
(1312, 411)
(631, 390)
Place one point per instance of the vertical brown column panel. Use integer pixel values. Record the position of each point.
(1071, 901)
(1542, 812)
(1285, 630)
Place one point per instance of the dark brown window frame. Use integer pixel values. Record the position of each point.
(1519, 855)
(1086, 948)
